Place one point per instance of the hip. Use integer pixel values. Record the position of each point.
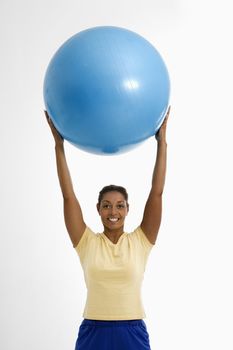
(114, 335)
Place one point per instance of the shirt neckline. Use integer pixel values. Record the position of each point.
(109, 240)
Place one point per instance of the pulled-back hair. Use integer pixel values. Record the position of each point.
(111, 188)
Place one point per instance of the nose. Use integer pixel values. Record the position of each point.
(113, 210)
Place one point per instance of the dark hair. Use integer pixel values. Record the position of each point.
(111, 188)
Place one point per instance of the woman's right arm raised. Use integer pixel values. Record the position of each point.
(72, 211)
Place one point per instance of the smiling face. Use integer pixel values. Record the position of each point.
(113, 209)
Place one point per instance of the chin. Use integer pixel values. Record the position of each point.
(114, 226)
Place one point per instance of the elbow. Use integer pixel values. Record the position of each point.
(68, 196)
(157, 192)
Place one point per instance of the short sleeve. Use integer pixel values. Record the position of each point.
(146, 244)
(84, 242)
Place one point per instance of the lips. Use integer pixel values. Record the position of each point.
(113, 219)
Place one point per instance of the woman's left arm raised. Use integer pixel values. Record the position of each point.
(153, 209)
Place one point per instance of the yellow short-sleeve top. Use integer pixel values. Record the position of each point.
(113, 274)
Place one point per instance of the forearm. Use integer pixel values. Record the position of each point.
(63, 172)
(159, 173)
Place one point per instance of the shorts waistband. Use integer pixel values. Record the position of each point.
(112, 323)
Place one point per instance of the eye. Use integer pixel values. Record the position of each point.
(121, 206)
(106, 206)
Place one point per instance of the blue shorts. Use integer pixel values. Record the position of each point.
(113, 335)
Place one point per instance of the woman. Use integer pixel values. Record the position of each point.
(113, 261)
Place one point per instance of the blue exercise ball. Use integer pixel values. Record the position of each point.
(106, 90)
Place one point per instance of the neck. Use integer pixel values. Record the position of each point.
(113, 234)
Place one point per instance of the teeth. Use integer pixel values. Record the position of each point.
(113, 219)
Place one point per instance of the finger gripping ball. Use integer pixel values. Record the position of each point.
(106, 90)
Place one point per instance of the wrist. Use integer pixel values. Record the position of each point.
(162, 142)
(59, 145)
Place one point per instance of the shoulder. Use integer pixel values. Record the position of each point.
(139, 236)
(86, 237)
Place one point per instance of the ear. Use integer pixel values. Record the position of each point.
(98, 208)
(127, 208)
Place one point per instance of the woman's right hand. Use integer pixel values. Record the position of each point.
(59, 140)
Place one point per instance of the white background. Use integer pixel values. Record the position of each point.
(187, 289)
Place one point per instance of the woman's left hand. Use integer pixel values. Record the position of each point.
(161, 133)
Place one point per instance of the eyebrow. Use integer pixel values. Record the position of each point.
(105, 200)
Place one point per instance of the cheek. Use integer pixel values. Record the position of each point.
(103, 213)
(125, 213)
